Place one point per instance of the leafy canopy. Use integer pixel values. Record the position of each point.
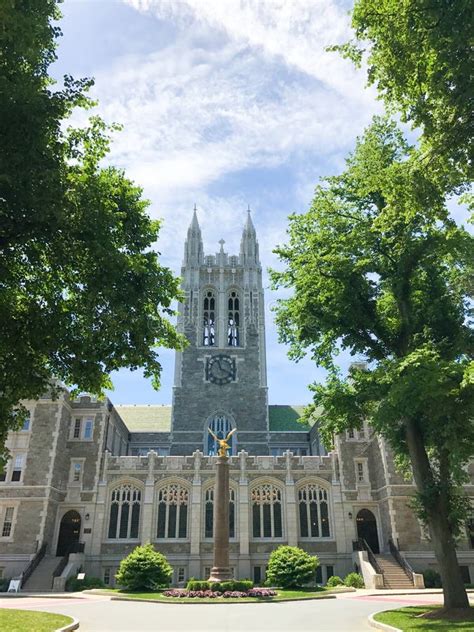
(82, 292)
(419, 56)
(378, 267)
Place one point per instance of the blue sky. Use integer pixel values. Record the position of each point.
(224, 103)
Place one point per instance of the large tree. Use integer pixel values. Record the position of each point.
(82, 292)
(419, 56)
(377, 267)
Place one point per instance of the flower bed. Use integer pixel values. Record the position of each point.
(180, 593)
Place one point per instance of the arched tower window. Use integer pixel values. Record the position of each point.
(209, 319)
(173, 500)
(209, 513)
(313, 510)
(233, 320)
(124, 516)
(266, 512)
(220, 426)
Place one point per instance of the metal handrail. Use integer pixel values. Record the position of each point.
(361, 545)
(26, 574)
(400, 559)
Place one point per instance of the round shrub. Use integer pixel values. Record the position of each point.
(432, 578)
(144, 569)
(290, 566)
(334, 581)
(354, 580)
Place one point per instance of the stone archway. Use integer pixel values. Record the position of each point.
(367, 529)
(69, 532)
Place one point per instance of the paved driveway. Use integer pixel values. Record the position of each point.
(347, 613)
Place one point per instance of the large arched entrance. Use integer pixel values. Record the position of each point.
(69, 532)
(367, 529)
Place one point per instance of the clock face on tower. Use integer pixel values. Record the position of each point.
(220, 369)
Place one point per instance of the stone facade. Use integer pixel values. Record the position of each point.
(134, 474)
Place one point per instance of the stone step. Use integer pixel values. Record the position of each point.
(42, 577)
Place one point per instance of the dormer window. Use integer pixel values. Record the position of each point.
(233, 320)
(209, 320)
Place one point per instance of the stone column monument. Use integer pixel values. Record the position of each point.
(221, 569)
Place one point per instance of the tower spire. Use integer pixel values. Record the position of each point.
(193, 247)
(249, 243)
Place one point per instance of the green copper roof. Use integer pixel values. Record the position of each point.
(146, 418)
(284, 418)
(157, 418)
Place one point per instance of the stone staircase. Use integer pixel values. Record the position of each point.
(393, 574)
(41, 579)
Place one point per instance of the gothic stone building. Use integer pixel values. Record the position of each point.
(95, 479)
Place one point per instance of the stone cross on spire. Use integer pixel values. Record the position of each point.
(222, 242)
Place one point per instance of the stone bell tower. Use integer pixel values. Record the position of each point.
(221, 379)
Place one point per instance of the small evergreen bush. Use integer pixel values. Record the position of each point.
(354, 580)
(75, 585)
(432, 578)
(144, 569)
(334, 581)
(290, 567)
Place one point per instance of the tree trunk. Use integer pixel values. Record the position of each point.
(455, 595)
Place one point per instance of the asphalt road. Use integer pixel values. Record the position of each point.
(347, 613)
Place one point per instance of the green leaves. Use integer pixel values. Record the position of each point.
(419, 56)
(377, 267)
(82, 293)
(290, 567)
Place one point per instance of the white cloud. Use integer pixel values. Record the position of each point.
(296, 31)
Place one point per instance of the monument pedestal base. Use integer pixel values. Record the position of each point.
(220, 574)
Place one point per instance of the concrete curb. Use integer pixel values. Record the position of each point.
(381, 626)
(218, 602)
(40, 596)
(71, 626)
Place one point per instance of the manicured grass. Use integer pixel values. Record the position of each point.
(407, 619)
(22, 620)
(305, 593)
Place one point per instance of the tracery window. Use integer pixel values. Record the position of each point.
(209, 319)
(209, 513)
(124, 518)
(220, 426)
(173, 500)
(266, 511)
(233, 320)
(313, 510)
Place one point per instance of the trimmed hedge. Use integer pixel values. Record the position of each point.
(75, 585)
(240, 585)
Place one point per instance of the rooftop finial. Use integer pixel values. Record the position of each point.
(195, 207)
(222, 242)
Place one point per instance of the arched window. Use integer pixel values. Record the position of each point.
(314, 512)
(125, 512)
(209, 319)
(266, 512)
(220, 426)
(209, 513)
(173, 500)
(233, 320)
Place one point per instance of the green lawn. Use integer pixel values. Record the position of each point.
(23, 620)
(406, 619)
(307, 593)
